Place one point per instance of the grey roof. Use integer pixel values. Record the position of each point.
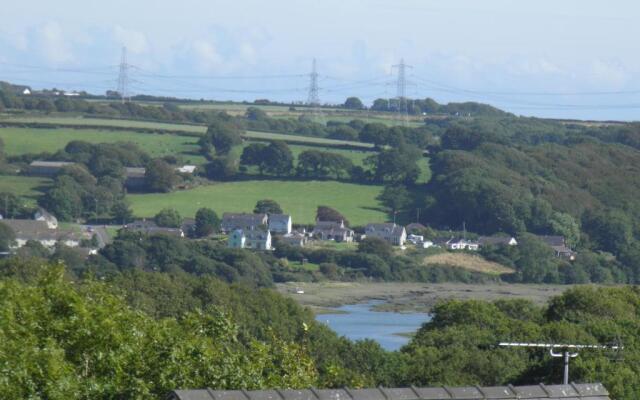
(494, 240)
(29, 229)
(588, 391)
(553, 240)
(135, 172)
(241, 220)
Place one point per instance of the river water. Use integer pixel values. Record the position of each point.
(359, 321)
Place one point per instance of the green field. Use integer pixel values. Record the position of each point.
(102, 122)
(26, 187)
(300, 199)
(35, 140)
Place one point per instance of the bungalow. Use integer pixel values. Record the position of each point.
(151, 228)
(484, 241)
(462, 244)
(31, 230)
(47, 168)
(331, 230)
(243, 221)
(256, 239)
(392, 233)
(559, 246)
(280, 223)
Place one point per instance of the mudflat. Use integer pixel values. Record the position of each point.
(408, 296)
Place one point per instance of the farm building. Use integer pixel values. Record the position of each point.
(47, 168)
(331, 230)
(574, 391)
(244, 221)
(251, 239)
(391, 232)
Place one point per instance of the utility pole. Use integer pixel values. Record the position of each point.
(123, 78)
(401, 92)
(565, 351)
(313, 98)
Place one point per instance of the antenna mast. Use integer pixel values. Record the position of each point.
(566, 351)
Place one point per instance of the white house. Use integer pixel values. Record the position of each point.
(296, 239)
(280, 223)
(250, 239)
(392, 233)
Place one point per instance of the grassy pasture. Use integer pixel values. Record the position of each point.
(105, 122)
(357, 202)
(27, 187)
(35, 140)
(467, 261)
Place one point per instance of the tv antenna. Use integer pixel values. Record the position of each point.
(565, 351)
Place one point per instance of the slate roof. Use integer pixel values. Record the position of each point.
(494, 240)
(279, 218)
(386, 229)
(232, 221)
(587, 391)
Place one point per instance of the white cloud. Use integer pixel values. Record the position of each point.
(52, 43)
(136, 42)
(608, 73)
(206, 55)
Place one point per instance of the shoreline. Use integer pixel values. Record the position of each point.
(402, 297)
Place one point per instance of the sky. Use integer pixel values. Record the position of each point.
(548, 58)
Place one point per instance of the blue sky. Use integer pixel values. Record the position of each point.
(575, 59)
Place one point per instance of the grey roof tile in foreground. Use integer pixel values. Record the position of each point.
(590, 391)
